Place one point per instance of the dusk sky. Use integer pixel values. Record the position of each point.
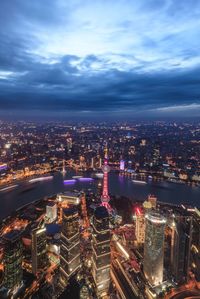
(100, 59)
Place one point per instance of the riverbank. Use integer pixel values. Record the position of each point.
(118, 186)
(158, 177)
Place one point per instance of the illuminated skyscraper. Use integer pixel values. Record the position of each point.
(153, 200)
(106, 169)
(154, 248)
(12, 261)
(51, 211)
(86, 222)
(195, 246)
(140, 227)
(70, 244)
(39, 249)
(181, 247)
(101, 251)
(156, 156)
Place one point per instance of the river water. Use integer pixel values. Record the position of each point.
(118, 185)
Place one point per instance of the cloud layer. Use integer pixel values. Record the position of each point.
(123, 58)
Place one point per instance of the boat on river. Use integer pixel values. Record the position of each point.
(139, 182)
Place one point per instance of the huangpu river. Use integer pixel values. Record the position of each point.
(118, 185)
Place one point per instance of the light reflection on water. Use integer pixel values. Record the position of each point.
(118, 185)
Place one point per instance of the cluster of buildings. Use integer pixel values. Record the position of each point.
(53, 247)
(168, 240)
(68, 240)
(169, 150)
(61, 251)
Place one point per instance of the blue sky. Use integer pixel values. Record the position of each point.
(95, 59)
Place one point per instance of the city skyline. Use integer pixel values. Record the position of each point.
(99, 211)
(99, 149)
(102, 59)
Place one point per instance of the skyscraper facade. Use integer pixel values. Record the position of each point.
(51, 211)
(154, 248)
(39, 249)
(101, 251)
(12, 260)
(70, 244)
(140, 228)
(181, 247)
(195, 246)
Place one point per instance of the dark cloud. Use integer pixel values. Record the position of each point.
(30, 80)
(60, 86)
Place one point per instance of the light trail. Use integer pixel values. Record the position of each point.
(8, 188)
(41, 179)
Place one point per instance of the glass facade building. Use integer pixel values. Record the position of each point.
(51, 211)
(140, 228)
(195, 247)
(181, 247)
(12, 259)
(154, 248)
(101, 251)
(70, 244)
(39, 249)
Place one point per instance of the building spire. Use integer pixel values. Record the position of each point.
(105, 168)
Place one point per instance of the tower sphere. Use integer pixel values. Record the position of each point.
(105, 168)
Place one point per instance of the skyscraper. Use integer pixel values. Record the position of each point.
(38, 249)
(12, 261)
(195, 245)
(156, 156)
(70, 244)
(51, 211)
(154, 248)
(181, 246)
(101, 251)
(140, 227)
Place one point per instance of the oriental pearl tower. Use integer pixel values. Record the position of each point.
(105, 198)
